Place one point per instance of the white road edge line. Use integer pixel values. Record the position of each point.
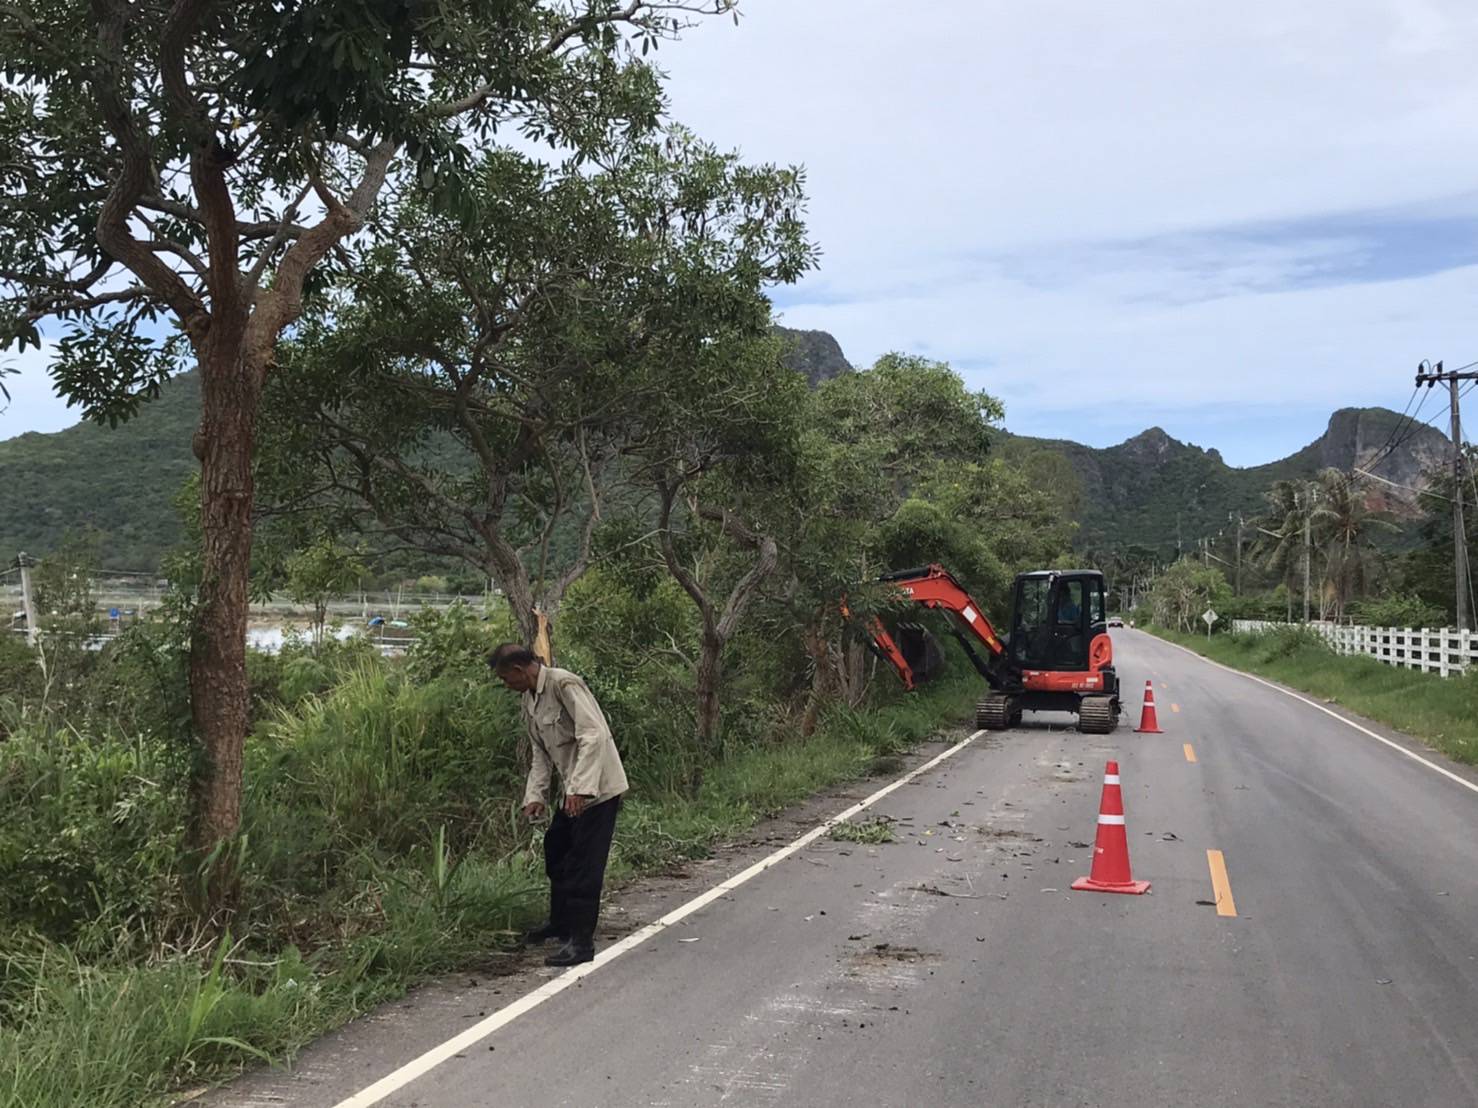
(506, 1015)
(1463, 781)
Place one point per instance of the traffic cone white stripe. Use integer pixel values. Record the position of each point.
(1111, 779)
(1114, 821)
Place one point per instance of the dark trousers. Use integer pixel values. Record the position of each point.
(575, 852)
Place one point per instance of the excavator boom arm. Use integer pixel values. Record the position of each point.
(933, 586)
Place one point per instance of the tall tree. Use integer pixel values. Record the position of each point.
(719, 453)
(1346, 528)
(469, 391)
(1185, 590)
(896, 469)
(202, 163)
(1287, 539)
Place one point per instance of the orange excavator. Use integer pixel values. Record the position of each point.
(1057, 657)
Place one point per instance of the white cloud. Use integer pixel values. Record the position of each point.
(1046, 190)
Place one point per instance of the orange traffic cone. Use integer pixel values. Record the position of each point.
(1149, 722)
(1110, 872)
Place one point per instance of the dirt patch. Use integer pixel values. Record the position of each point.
(886, 954)
(1002, 834)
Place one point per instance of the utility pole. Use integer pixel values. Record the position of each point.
(24, 561)
(1429, 375)
(1237, 580)
(1307, 517)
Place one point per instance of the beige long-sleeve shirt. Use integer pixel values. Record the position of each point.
(569, 734)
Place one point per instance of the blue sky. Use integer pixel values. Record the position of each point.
(1227, 220)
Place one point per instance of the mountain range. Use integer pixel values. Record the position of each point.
(1148, 491)
(1156, 491)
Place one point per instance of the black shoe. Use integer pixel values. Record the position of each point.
(572, 953)
(544, 932)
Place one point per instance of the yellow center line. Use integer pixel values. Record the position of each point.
(1175, 707)
(1190, 752)
(1225, 905)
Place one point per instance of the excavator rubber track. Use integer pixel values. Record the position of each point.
(996, 713)
(1097, 715)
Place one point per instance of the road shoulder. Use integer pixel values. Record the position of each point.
(1409, 745)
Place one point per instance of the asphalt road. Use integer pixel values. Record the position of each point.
(953, 967)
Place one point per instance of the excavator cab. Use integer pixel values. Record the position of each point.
(1055, 618)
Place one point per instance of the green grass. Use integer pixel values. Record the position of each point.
(872, 831)
(374, 861)
(1442, 711)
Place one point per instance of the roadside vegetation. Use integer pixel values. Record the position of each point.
(379, 842)
(1440, 711)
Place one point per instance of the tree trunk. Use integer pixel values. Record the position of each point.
(219, 704)
(507, 568)
(823, 676)
(710, 661)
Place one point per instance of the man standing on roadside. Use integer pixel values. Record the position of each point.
(569, 733)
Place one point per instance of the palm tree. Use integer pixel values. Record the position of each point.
(1345, 527)
(1286, 530)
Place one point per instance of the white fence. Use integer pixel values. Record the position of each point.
(1441, 650)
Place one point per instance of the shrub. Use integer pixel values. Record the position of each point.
(90, 841)
(1404, 610)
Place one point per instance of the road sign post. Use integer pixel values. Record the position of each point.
(1209, 615)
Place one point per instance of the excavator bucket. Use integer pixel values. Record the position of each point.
(921, 650)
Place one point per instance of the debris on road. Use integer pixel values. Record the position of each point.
(935, 890)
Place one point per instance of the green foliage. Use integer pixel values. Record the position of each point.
(1396, 610)
(506, 359)
(118, 484)
(20, 674)
(66, 621)
(383, 762)
(319, 572)
(872, 831)
(300, 669)
(1184, 591)
(622, 625)
(88, 841)
(455, 642)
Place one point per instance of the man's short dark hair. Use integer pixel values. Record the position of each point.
(511, 654)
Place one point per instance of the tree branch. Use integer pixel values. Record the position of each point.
(283, 302)
(667, 491)
(134, 178)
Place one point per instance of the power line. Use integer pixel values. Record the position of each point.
(1391, 434)
(1406, 488)
(1401, 432)
(1406, 432)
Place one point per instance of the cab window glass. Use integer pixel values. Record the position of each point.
(1070, 602)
